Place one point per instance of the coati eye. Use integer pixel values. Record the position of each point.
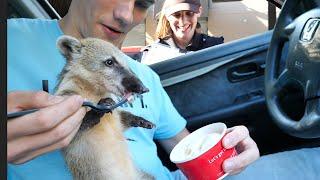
(109, 62)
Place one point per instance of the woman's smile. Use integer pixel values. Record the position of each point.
(184, 28)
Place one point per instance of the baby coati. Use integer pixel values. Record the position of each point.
(96, 70)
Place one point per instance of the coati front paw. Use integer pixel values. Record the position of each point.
(107, 102)
(141, 122)
(130, 120)
(92, 117)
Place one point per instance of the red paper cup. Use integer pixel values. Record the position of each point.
(200, 155)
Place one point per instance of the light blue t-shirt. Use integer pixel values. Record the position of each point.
(33, 57)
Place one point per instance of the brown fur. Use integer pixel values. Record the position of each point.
(99, 152)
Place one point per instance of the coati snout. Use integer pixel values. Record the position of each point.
(99, 64)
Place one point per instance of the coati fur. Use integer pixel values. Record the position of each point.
(96, 70)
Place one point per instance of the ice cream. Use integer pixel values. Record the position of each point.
(198, 147)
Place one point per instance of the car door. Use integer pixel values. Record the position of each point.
(225, 83)
(222, 83)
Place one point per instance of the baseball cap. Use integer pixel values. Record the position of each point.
(172, 6)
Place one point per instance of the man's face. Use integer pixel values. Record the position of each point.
(110, 20)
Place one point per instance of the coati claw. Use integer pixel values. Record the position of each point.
(129, 139)
(143, 123)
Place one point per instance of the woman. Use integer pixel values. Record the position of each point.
(176, 32)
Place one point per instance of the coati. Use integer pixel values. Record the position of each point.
(95, 69)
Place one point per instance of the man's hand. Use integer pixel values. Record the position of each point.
(239, 138)
(50, 128)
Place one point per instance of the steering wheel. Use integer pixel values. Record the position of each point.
(301, 32)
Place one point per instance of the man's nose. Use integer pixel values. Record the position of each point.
(124, 13)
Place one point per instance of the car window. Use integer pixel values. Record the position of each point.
(232, 19)
(30, 9)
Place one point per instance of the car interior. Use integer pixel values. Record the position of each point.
(267, 82)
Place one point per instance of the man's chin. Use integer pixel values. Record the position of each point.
(116, 42)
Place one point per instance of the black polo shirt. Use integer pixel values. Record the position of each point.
(163, 49)
(198, 42)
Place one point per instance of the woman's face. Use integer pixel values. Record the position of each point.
(183, 24)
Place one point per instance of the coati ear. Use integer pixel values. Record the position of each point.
(69, 46)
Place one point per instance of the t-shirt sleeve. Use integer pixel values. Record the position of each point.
(170, 121)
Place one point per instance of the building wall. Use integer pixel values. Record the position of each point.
(137, 36)
(232, 20)
(237, 19)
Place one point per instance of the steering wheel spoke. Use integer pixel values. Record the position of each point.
(312, 89)
(288, 30)
(309, 125)
(278, 84)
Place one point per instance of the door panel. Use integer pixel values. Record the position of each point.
(213, 91)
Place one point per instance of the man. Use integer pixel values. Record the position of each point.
(34, 140)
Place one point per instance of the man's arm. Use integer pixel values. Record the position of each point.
(168, 144)
(237, 137)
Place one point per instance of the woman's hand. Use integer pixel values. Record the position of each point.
(247, 149)
(50, 128)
